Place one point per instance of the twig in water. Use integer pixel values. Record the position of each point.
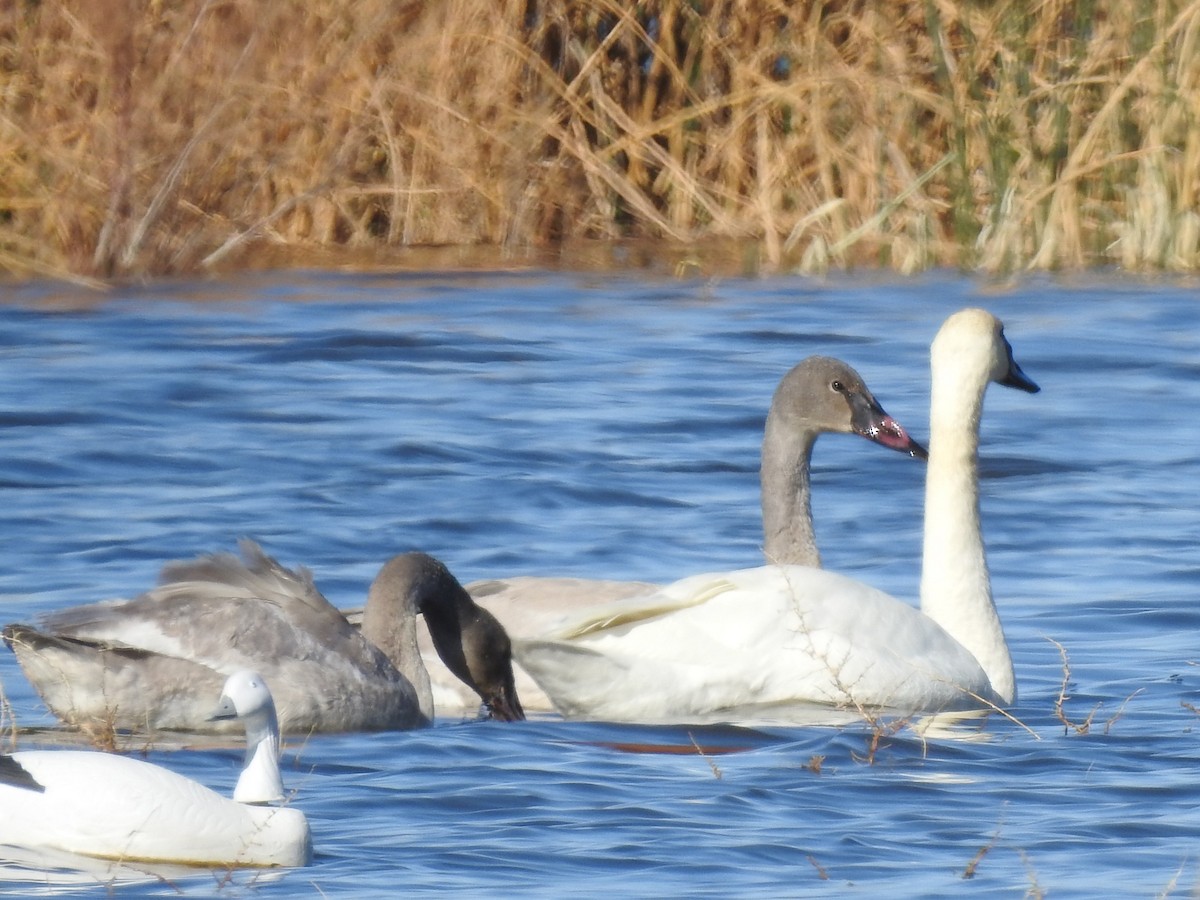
(973, 865)
(1172, 884)
(1035, 890)
(880, 729)
(6, 713)
(1006, 714)
(712, 765)
(1081, 727)
(1121, 711)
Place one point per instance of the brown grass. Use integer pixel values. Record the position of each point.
(8, 724)
(822, 873)
(1060, 701)
(184, 135)
(716, 770)
(972, 866)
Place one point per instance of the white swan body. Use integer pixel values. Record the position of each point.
(796, 634)
(769, 636)
(117, 808)
(151, 662)
(818, 395)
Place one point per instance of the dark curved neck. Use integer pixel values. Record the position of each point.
(450, 616)
(394, 632)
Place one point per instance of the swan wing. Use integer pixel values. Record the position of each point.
(150, 662)
(757, 637)
(655, 604)
(204, 607)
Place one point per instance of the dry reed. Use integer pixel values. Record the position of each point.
(972, 867)
(8, 724)
(183, 135)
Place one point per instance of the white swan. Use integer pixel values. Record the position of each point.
(794, 634)
(148, 663)
(118, 808)
(817, 396)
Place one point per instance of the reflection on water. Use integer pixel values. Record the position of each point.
(609, 428)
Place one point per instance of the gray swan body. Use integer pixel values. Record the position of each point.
(147, 663)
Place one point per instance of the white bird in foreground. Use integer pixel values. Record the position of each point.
(782, 635)
(118, 808)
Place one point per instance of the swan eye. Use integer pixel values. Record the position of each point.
(837, 387)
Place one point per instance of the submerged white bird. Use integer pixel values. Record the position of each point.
(148, 663)
(790, 634)
(118, 808)
(819, 395)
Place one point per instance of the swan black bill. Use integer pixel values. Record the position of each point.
(1015, 377)
(1018, 379)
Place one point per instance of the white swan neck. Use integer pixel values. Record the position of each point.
(955, 584)
(261, 780)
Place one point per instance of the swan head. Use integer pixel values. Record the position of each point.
(489, 665)
(970, 348)
(469, 639)
(821, 394)
(244, 696)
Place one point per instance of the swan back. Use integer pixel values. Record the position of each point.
(969, 352)
(752, 639)
(819, 395)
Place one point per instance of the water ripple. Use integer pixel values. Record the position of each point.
(609, 427)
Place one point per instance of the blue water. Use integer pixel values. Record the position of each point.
(608, 427)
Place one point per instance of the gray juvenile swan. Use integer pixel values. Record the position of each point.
(150, 662)
(819, 395)
(780, 635)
